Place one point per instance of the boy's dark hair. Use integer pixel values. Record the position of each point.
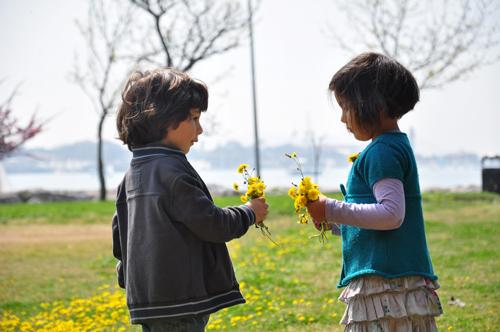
(372, 83)
(152, 101)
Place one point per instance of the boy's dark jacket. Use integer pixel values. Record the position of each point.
(169, 238)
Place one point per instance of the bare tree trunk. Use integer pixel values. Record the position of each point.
(100, 162)
(190, 31)
(106, 35)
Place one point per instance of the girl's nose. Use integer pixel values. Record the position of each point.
(200, 129)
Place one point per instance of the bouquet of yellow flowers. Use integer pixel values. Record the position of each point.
(255, 189)
(306, 191)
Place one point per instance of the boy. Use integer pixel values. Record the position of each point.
(168, 235)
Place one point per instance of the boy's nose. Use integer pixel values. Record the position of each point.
(200, 129)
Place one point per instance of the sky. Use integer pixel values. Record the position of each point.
(295, 59)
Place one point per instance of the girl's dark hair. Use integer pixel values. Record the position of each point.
(153, 101)
(372, 83)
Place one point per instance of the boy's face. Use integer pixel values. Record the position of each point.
(186, 134)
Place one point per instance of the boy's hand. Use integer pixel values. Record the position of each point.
(259, 207)
(317, 209)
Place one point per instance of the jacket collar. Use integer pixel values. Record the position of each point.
(155, 150)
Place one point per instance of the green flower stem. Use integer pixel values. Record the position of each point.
(266, 232)
(322, 236)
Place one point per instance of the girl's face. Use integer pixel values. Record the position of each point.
(350, 120)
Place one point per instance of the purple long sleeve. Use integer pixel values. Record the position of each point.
(388, 213)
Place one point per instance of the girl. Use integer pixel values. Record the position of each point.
(388, 275)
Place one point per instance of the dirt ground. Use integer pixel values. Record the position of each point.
(35, 234)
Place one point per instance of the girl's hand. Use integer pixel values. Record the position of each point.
(259, 207)
(322, 225)
(317, 209)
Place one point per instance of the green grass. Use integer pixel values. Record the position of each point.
(80, 212)
(288, 288)
(37, 273)
(93, 212)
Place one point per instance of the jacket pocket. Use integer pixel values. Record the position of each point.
(211, 257)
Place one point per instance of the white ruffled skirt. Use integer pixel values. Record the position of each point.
(407, 304)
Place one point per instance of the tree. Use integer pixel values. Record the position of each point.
(189, 31)
(105, 33)
(186, 32)
(181, 34)
(439, 42)
(12, 134)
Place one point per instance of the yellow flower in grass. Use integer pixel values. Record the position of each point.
(242, 168)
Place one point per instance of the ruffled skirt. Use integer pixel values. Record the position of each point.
(391, 305)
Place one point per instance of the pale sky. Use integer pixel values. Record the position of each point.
(294, 62)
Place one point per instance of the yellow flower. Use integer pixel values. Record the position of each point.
(313, 194)
(255, 189)
(303, 219)
(235, 186)
(253, 180)
(252, 189)
(305, 192)
(352, 157)
(296, 205)
(300, 202)
(242, 168)
(302, 189)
